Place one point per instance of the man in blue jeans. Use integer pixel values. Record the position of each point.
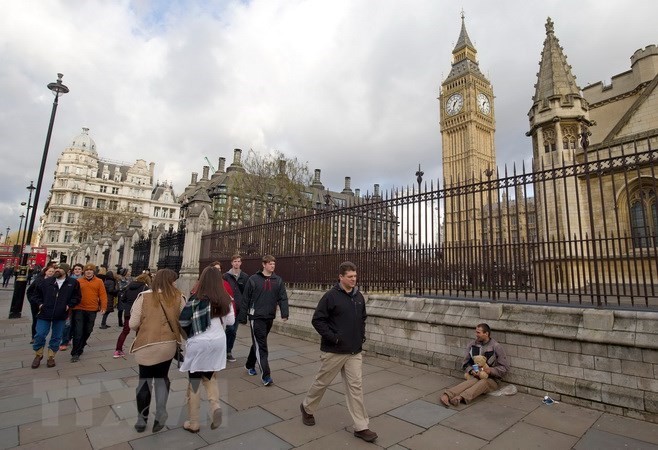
(238, 280)
(54, 297)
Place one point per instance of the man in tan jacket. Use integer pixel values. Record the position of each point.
(83, 316)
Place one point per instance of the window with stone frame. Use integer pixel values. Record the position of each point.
(59, 199)
(70, 217)
(74, 199)
(56, 216)
(114, 205)
(68, 236)
(88, 202)
(569, 137)
(53, 236)
(644, 217)
(103, 188)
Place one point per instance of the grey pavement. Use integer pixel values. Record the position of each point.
(90, 404)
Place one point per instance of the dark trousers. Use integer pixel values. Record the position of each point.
(231, 334)
(124, 332)
(34, 308)
(159, 373)
(82, 323)
(260, 328)
(5, 281)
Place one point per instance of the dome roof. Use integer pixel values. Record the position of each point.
(84, 142)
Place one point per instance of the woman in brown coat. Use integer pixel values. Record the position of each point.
(154, 316)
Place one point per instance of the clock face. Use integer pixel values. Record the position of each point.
(483, 104)
(454, 104)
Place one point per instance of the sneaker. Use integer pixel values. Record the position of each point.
(251, 372)
(63, 347)
(366, 435)
(267, 381)
(103, 326)
(230, 358)
(75, 358)
(118, 354)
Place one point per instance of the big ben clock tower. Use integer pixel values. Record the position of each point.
(467, 137)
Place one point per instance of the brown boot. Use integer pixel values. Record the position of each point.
(193, 405)
(51, 359)
(212, 390)
(37, 358)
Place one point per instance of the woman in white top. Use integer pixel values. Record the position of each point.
(204, 318)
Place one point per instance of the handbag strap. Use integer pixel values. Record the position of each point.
(169, 323)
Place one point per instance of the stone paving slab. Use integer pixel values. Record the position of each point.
(422, 413)
(597, 439)
(522, 436)
(567, 419)
(257, 439)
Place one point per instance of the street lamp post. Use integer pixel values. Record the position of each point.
(419, 249)
(20, 226)
(7, 235)
(30, 188)
(20, 285)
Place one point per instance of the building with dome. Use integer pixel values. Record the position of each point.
(95, 203)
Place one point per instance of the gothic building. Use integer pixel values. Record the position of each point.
(93, 200)
(467, 121)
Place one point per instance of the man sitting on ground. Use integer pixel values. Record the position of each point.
(468, 390)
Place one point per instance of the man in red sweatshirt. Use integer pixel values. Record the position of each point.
(83, 316)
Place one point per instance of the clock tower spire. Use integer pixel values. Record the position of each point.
(467, 125)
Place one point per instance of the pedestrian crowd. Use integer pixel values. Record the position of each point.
(200, 331)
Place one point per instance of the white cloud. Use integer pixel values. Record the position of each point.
(348, 85)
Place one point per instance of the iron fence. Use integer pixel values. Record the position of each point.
(576, 229)
(141, 255)
(171, 250)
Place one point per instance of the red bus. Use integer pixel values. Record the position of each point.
(11, 254)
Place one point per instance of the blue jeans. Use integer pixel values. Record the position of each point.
(231, 334)
(66, 335)
(55, 327)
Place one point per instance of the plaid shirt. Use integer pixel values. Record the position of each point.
(195, 316)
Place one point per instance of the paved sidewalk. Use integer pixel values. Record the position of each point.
(90, 404)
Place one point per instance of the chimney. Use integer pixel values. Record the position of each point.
(151, 167)
(347, 189)
(236, 165)
(222, 165)
(206, 170)
(316, 180)
(194, 177)
(376, 194)
(282, 167)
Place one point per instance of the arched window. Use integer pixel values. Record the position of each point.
(549, 140)
(569, 137)
(644, 217)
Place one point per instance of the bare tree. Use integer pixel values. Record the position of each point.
(94, 222)
(272, 187)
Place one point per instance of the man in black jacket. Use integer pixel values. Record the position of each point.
(54, 297)
(238, 281)
(264, 291)
(340, 319)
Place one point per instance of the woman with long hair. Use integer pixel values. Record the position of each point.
(204, 318)
(153, 316)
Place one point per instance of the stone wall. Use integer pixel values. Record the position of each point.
(601, 359)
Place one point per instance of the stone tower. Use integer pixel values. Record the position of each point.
(467, 124)
(557, 116)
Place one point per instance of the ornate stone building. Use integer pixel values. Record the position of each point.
(96, 205)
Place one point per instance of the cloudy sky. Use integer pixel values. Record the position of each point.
(348, 86)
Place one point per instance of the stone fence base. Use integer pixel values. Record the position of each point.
(600, 359)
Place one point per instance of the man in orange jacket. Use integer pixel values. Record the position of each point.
(83, 316)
